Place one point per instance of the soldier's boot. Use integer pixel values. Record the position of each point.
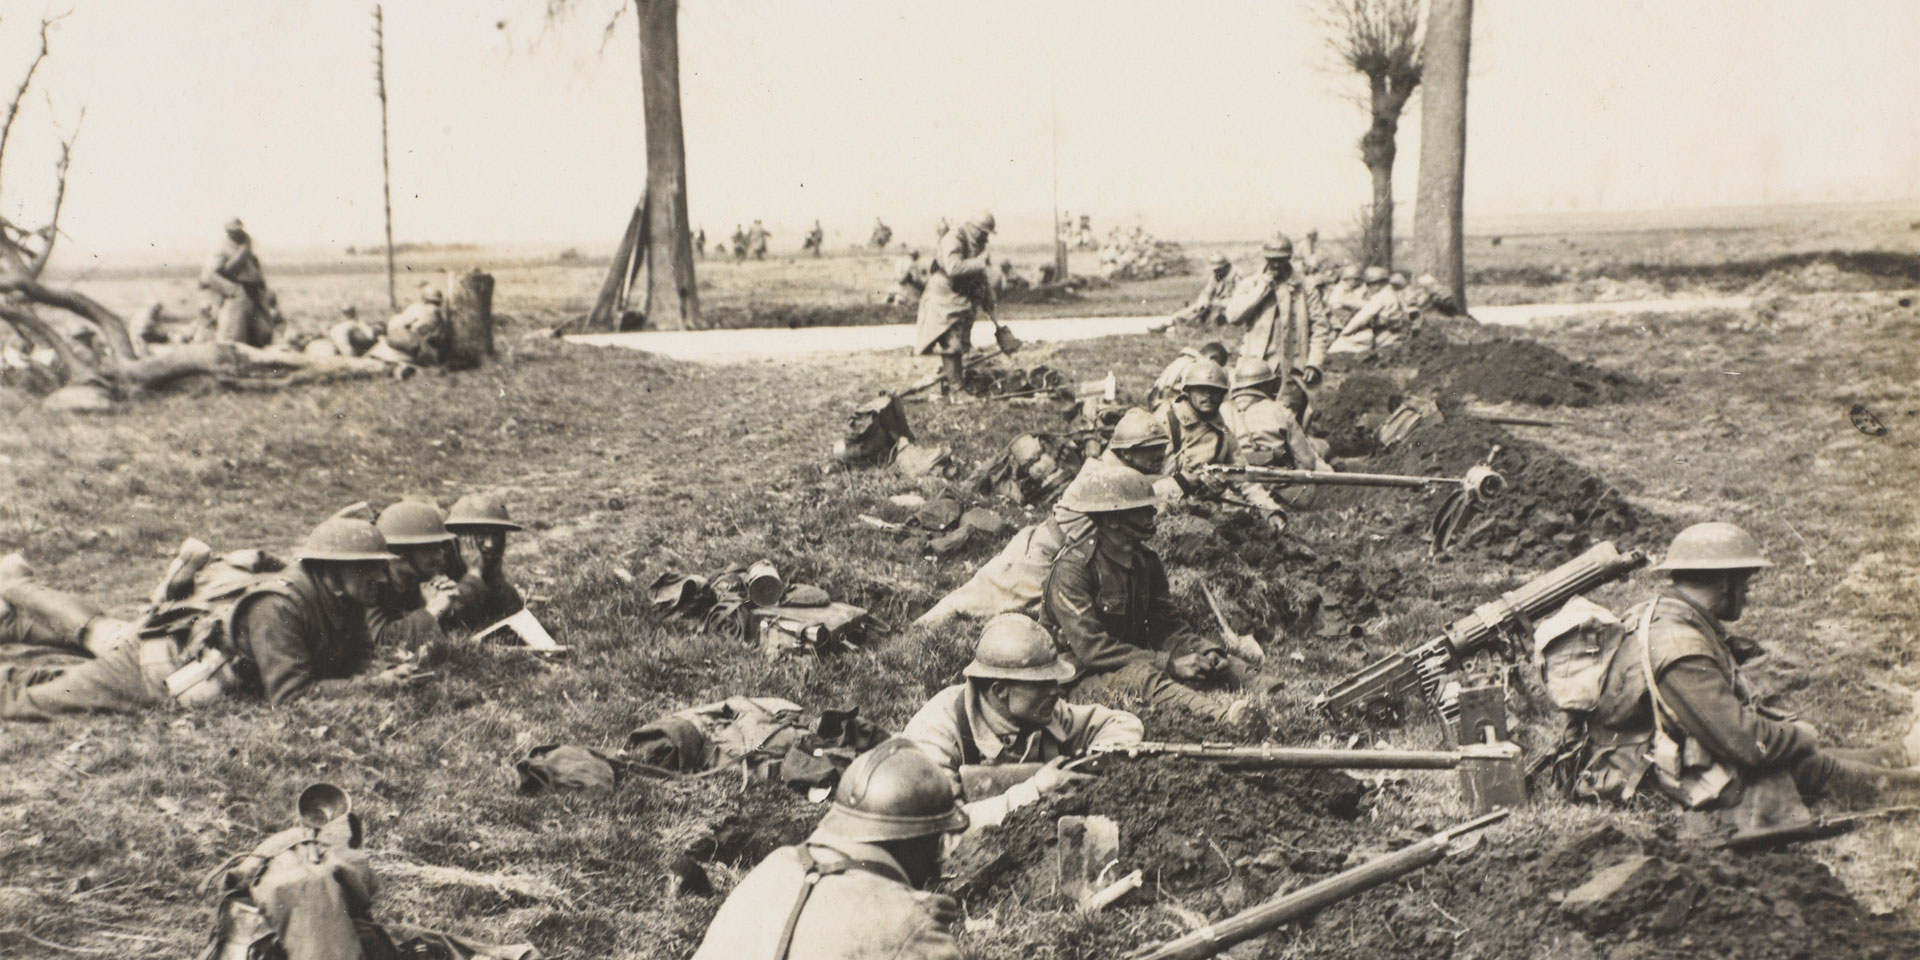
(39, 615)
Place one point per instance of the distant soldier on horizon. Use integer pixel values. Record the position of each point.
(815, 238)
(882, 235)
(757, 237)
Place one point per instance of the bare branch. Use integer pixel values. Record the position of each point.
(51, 231)
(13, 108)
(36, 330)
(112, 327)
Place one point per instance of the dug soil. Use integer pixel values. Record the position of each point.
(1516, 371)
(1605, 893)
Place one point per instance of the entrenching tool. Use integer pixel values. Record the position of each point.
(1307, 901)
(1421, 667)
(1239, 644)
(1004, 338)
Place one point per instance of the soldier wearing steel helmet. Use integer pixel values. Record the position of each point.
(1011, 582)
(853, 889)
(1383, 321)
(482, 523)
(1269, 431)
(958, 290)
(1166, 386)
(1285, 318)
(1675, 708)
(1010, 710)
(1106, 600)
(429, 588)
(281, 637)
(1209, 306)
(1201, 437)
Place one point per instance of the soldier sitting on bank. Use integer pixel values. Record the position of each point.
(1674, 702)
(1009, 713)
(853, 887)
(280, 635)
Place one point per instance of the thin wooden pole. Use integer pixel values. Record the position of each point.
(386, 175)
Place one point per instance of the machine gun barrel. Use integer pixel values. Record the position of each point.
(1272, 757)
(1599, 565)
(1482, 482)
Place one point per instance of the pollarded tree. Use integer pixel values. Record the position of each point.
(1380, 40)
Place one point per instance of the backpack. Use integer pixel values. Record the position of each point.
(199, 623)
(1574, 651)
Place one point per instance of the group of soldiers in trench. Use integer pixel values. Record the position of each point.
(1074, 615)
(241, 308)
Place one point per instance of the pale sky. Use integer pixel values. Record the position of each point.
(1198, 120)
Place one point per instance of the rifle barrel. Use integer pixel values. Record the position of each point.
(1307, 901)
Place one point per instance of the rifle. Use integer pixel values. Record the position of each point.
(1307, 901)
(1820, 827)
(1423, 664)
(980, 781)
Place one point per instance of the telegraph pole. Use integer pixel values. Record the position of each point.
(386, 175)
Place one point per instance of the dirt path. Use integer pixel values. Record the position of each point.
(733, 346)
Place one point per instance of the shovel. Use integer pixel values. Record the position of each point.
(1004, 338)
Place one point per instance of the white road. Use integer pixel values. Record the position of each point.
(733, 346)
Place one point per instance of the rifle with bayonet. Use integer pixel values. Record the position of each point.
(1487, 627)
(1481, 485)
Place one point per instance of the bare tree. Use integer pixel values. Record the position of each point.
(1379, 39)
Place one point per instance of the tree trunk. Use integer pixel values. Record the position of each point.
(673, 302)
(1378, 243)
(1377, 151)
(470, 314)
(1438, 226)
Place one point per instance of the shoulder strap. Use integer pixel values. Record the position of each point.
(969, 747)
(1645, 632)
(1173, 427)
(815, 872)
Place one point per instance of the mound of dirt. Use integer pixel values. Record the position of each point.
(1288, 585)
(1604, 893)
(1515, 371)
(1552, 508)
(1350, 419)
(1216, 840)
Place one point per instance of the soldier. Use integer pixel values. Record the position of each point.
(739, 243)
(1201, 437)
(909, 280)
(1209, 306)
(1106, 599)
(700, 243)
(882, 235)
(482, 522)
(283, 636)
(1009, 711)
(816, 238)
(851, 889)
(237, 291)
(350, 337)
(1167, 385)
(1711, 744)
(1268, 431)
(1013, 581)
(1286, 321)
(757, 237)
(958, 289)
(1383, 322)
(430, 588)
(420, 334)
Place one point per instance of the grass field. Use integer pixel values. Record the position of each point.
(624, 465)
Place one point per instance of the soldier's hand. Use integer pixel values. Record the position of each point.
(945, 910)
(1055, 776)
(1311, 376)
(1277, 521)
(439, 603)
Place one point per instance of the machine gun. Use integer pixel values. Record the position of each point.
(1423, 665)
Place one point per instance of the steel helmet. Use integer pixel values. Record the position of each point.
(344, 540)
(983, 220)
(1205, 373)
(1105, 488)
(1219, 260)
(1013, 647)
(1277, 248)
(1713, 546)
(1252, 372)
(480, 513)
(892, 792)
(1427, 280)
(412, 523)
(1398, 279)
(1350, 272)
(1138, 428)
(1374, 275)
